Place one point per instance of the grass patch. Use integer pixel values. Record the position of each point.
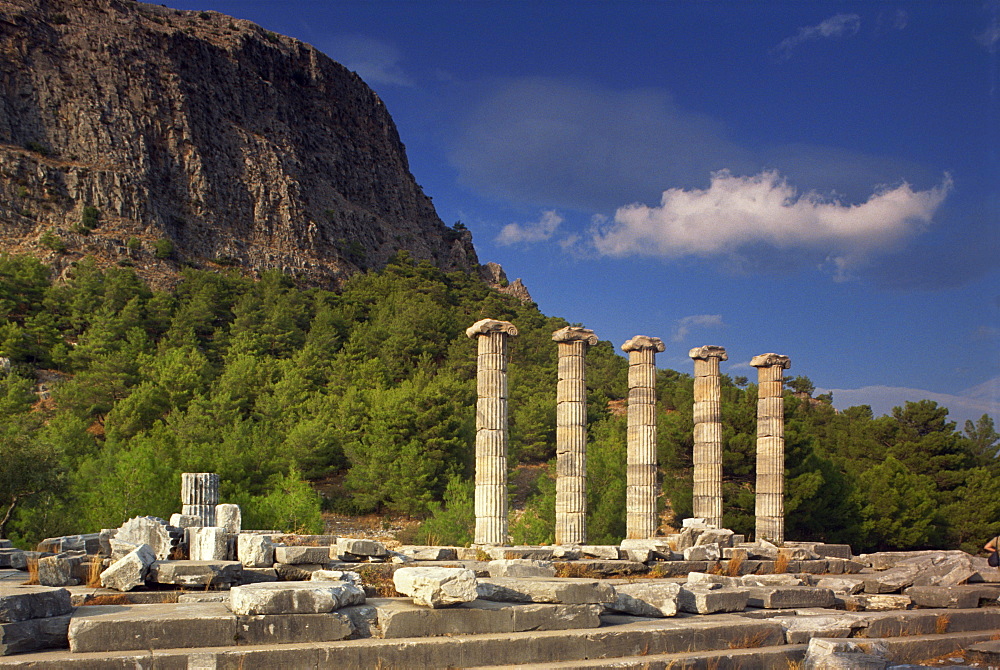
(380, 581)
(781, 563)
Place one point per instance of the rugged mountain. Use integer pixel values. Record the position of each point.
(155, 137)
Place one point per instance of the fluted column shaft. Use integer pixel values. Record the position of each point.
(770, 494)
(641, 488)
(571, 434)
(707, 454)
(200, 495)
(491, 429)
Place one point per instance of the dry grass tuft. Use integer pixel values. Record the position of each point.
(32, 572)
(94, 571)
(482, 555)
(941, 624)
(108, 599)
(781, 562)
(751, 641)
(735, 565)
(380, 581)
(570, 569)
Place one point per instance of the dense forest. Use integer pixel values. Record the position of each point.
(305, 400)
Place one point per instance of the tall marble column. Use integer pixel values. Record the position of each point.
(200, 495)
(571, 434)
(640, 498)
(491, 429)
(707, 433)
(770, 498)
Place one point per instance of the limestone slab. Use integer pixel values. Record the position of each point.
(534, 553)
(801, 629)
(703, 599)
(255, 551)
(294, 597)
(179, 625)
(348, 547)
(781, 597)
(336, 576)
(527, 590)
(19, 637)
(257, 575)
(425, 553)
(58, 570)
(521, 567)
(302, 555)
(436, 587)
(954, 597)
(129, 571)
(196, 573)
(208, 543)
(293, 628)
(649, 600)
(20, 602)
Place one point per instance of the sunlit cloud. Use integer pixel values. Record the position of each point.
(375, 61)
(738, 212)
(539, 231)
(840, 25)
(683, 326)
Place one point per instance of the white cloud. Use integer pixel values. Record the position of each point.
(375, 61)
(739, 212)
(969, 404)
(683, 326)
(990, 37)
(839, 25)
(540, 231)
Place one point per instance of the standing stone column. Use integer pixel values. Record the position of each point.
(770, 499)
(491, 429)
(640, 501)
(571, 434)
(200, 495)
(707, 433)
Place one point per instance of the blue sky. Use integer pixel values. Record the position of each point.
(817, 179)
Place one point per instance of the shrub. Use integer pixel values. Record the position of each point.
(90, 217)
(133, 244)
(52, 241)
(164, 248)
(38, 148)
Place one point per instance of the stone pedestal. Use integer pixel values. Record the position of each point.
(491, 429)
(200, 495)
(707, 434)
(641, 488)
(770, 503)
(571, 434)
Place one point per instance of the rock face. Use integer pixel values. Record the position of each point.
(127, 129)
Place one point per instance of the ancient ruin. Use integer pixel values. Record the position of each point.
(707, 456)
(641, 488)
(770, 500)
(571, 434)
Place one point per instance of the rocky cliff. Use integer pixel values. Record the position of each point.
(155, 137)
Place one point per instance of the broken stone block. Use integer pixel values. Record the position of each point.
(844, 585)
(781, 579)
(336, 576)
(566, 552)
(257, 575)
(720, 536)
(5, 556)
(34, 635)
(706, 578)
(104, 538)
(301, 555)
(436, 587)
(161, 537)
(521, 567)
(536, 590)
(21, 602)
(606, 552)
(422, 553)
(255, 551)
(229, 516)
(130, 571)
(787, 597)
(651, 600)
(208, 543)
(760, 550)
(657, 548)
(955, 597)
(833, 654)
(206, 574)
(298, 573)
(120, 549)
(88, 543)
(892, 580)
(349, 548)
(5, 543)
(58, 570)
(711, 598)
(294, 597)
(703, 552)
(185, 520)
(801, 629)
(20, 560)
(882, 603)
(534, 553)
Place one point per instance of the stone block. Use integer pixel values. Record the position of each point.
(293, 628)
(834, 551)
(424, 553)
(208, 543)
(565, 591)
(711, 598)
(657, 547)
(129, 571)
(337, 576)
(120, 549)
(205, 574)
(801, 629)
(294, 597)
(255, 551)
(882, 602)
(364, 620)
(655, 599)
(302, 555)
(703, 552)
(720, 536)
(436, 587)
(349, 548)
(88, 543)
(20, 602)
(842, 585)
(257, 575)
(521, 567)
(299, 573)
(19, 637)
(58, 571)
(185, 520)
(892, 580)
(5, 556)
(566, 552)
(6, 543)
(534, 553)
(19, 560)
(787, 597)
(229, 517)
(104, 628)
(954, 597)
(608, 552)
(157, 533)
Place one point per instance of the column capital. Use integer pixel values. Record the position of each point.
(487, 326)
(575, 334)
(709, 351)
(640, 342)
(770, 360)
